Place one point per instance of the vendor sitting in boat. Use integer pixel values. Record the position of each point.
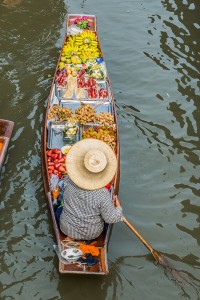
(91, 165)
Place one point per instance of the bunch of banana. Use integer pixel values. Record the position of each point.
(89, 53)
(78, 48)
(88, 44)
(69, 50)
(85, 37)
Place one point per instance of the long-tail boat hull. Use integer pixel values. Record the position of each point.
(101, 267)
(6, 128)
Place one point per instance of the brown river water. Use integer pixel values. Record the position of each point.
(152, 53)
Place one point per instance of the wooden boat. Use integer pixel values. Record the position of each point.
(53, 129)
(6, 128)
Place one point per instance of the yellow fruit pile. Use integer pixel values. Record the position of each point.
(80, 47)
(71, 71)
(107, 135)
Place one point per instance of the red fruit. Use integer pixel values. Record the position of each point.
(51, 168)
(54, 156)
(62, 160)
(49, 153)
(105, 93)
(61, 169)
(57, 166)
(56, 150)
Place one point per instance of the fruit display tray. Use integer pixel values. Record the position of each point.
(55, 135)
(62, 95)
(103, 106)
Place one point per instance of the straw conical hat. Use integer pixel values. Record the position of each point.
(91, 164)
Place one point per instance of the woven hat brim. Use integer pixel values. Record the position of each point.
(77, 170)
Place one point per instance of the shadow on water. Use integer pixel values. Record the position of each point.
(188, 207)
(185, 280)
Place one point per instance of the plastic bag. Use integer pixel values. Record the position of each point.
(73, 30)
(54, 182)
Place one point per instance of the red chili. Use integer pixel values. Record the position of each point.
(55, 172)
(54, 156)
(50, 163)
(59, 176)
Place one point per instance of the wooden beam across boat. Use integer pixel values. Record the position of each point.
(6, 128)
(50, 141)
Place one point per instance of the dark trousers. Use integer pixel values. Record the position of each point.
(58, 213)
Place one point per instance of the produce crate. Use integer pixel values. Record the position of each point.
(88, 125)
(98, 105)
(55, 135)
(105, 137)
(63, 95)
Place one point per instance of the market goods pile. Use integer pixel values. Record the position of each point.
(83, 114)
(76, 79)
(56, 162)
(79, 48)
(86, 114)
(60, 113)
(81, 22)
(81, 75)
(81, 59)
(107, 135)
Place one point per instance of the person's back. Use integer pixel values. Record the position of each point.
(91, 164)
(85, 211)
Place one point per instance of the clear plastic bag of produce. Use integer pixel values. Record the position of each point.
(73, 30)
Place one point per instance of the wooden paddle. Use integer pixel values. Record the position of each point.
(155, 254)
